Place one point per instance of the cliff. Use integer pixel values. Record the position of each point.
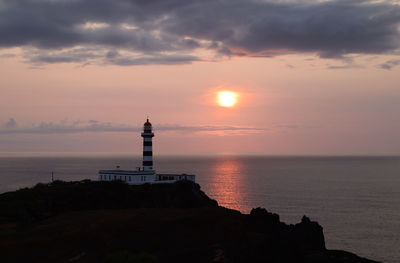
(114, 222)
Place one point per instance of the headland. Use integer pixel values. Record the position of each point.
(112, 221)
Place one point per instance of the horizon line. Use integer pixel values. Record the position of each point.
(193, 154)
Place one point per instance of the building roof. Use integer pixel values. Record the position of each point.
(176, 174)
(134, 172)
(126, 172)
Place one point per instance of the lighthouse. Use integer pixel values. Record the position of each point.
(147, 135)
(146, 175)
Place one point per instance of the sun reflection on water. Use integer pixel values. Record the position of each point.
(226, 182)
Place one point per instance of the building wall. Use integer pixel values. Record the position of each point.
(130, 179)
(148, 178)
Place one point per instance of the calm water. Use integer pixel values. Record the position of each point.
(355, 199)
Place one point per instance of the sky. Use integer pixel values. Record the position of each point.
(311, 77)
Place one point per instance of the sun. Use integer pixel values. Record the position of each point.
(227, 98)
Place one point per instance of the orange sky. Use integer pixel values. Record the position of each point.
(292, 104)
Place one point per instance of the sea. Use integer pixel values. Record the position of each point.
(355, 198)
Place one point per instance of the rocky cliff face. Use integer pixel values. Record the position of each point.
(306, 235)
(113, 222)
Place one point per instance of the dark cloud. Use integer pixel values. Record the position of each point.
(100, 127)
(74, 55)
(116, 58)
(170, 31)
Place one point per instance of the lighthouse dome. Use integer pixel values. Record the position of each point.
(147, 123)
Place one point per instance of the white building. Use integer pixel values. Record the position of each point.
(146, 174)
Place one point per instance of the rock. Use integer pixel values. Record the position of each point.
(309, 235)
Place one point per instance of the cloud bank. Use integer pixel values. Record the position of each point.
(137, 32)
(64, 127)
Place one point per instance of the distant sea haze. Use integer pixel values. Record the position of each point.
(355, 199)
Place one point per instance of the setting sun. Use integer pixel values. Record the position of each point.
(227, 98)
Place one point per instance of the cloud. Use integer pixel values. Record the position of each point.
(65, 56)
(390, 64)
(176, 31)
(95, 126)
(7, 55)
(114, 57)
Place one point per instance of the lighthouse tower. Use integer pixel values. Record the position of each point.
(147, 175)
(147, 135)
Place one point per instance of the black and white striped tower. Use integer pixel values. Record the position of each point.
(147, 135)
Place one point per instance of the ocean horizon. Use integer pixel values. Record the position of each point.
(356, 198)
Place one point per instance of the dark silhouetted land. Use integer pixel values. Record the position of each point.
(113, 222)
